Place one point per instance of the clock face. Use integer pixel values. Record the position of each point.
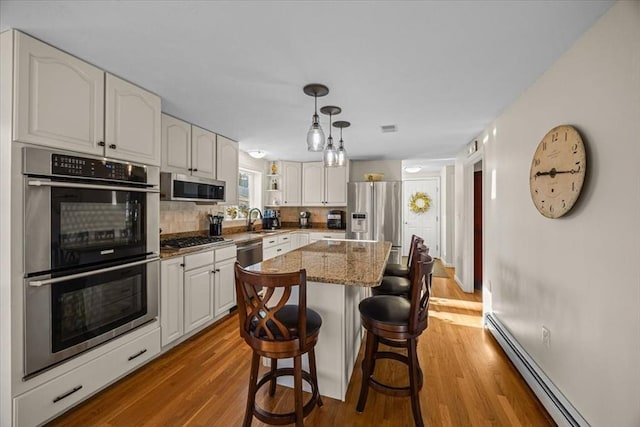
(557, 171)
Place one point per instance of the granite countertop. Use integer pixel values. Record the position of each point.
(345, 262)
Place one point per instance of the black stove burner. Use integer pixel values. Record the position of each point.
(187, 242)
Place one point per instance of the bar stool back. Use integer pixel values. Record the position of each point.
(277, 330)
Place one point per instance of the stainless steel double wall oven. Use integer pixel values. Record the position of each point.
(91, 252)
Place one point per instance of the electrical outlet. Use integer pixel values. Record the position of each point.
(546, 336)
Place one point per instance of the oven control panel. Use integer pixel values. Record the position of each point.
(62, 164)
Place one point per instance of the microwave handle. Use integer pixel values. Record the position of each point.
(39, 183)
(38, 283)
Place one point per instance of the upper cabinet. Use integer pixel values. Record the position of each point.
(324, 186)
(291, 183)
(176, 144)
(59, 99)
(132, 122)
(203, 153)
(227, 167)
(64, 102)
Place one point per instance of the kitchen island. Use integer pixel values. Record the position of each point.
(339, 273)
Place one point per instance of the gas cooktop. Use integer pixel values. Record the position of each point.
(188, 242)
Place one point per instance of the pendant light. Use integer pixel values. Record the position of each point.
(315, 136)
(330, 154)
(341, 159)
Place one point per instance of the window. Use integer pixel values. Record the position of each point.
(249, 194)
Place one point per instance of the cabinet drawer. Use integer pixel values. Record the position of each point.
(284, 238)
(326, 235)
(226, 253)
(274, 251)
(52, 398)
(267, 242)
(198, 260)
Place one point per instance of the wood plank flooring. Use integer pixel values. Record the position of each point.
(468, 381)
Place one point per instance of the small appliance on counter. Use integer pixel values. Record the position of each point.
(305, 219)
(335, 220)
(215, 224)
(271, 219)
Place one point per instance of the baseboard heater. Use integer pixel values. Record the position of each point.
(558, 406)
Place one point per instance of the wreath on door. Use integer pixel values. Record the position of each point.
(420, 202)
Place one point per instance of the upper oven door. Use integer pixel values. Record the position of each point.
(73, 224)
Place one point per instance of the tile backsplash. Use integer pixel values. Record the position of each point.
(180, 217)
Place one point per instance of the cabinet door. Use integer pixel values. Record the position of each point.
(132, 122)
(303, 239)
(171, 299)
(227, 168)
(336, 186)
(203, 153)
(198, 297)
(292, 183)
(59, 99)
(313, 184)
(225, 294)
(176, 145)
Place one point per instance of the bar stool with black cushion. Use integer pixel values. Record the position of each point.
(401, 270)
(276, 330)
(397, 322)
(396, 284)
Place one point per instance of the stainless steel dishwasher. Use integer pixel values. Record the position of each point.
(249, 253)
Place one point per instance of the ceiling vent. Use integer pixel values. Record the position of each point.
(389, 128)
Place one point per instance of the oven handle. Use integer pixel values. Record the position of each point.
(39, 183)
(38, 283)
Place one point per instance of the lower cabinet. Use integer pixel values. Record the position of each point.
(275, 245)
(195, 290)
(59, 394)
(299, 239)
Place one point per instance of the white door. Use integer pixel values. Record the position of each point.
(313, 184)
(59, 99)
(132, 122)
(225, 287)
(176, 145)
(227, 168)
(198, 297)
(171, 299)
(423, 224)
(292, 183)
(203, 153)
(336, 186)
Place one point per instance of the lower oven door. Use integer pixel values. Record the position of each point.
(67, 315)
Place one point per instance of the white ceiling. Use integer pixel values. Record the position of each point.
(440, 71)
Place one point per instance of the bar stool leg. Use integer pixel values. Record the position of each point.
(253, 381)
(314, 373)
(297, 381)
(272, 383)
(366, 371)
(414, 382)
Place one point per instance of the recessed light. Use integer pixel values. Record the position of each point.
(412, 169)
(257, 154)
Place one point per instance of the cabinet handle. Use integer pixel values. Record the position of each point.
(217, 270)
(112, 146)
(278, 250)
(101, 143)
(138, 354)
(182, 265)
(67, 394)
(213, 271)
(195, 170)
(190, 169)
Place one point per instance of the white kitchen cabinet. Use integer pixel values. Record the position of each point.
(171, 299)
(64, 102)
(59, 99)
(227, 168)
(198, 297)
(132, 122)
(315, 236)
(291, 183)
(324, 186)
(299, 239)
(203, 153)
(176, 145)
(275, 245)
(225, 289)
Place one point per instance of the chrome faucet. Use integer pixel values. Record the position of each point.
(249, 222)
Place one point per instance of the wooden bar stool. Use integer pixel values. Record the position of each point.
(401, 270)
(398, 283)
(278, 331)
(397, 322)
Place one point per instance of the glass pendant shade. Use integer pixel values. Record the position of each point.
(341, 155)
(315, 136)
(330, 154)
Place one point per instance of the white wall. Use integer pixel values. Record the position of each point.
(392, 169)
(578, 275)
(447, 204)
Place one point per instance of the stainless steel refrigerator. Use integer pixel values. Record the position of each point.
(374, 212)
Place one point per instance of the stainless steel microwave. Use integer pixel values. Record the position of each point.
(181, 187)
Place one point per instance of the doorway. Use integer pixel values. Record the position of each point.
(425, 224)
(477, 226)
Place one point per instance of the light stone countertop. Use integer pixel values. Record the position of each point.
(344, 262)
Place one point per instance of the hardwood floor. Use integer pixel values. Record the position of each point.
(468, 381)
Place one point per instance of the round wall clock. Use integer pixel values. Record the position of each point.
(557, 171)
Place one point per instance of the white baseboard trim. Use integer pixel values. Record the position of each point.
(558, 406)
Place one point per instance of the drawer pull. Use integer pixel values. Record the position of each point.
(138, 354)
(278, 250)
(67, 394)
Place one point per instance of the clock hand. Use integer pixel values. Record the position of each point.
(553, 172)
